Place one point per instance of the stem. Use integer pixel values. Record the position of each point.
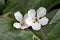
(34, 36)
(5, 15)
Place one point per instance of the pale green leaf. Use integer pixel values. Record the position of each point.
(5, 24)
(16, 35)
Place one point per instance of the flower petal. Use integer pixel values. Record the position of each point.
(29, 21)
(24, 27)
(43, 21)
(25, 16)
(36, 26)
(31, 13)
(17, 25)
(18, 16)
(41, 12)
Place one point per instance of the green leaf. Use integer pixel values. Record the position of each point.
(25, 5)
(5, 24)
(2, 4)
(7, 32)
(51, 14)
(56, 18)
(55, 33)
(16, 35)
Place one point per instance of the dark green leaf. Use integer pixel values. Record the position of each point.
(25, 5)
(55, 33)
(2, 3)
(56, 18)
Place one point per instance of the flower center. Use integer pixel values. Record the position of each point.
(22, 23)
(35, 19)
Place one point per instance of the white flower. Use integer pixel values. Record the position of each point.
(21, 21)
(36, 19)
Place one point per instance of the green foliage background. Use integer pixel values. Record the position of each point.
(49, 32)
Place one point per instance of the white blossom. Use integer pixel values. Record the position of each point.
(21, 21)
(36, 19)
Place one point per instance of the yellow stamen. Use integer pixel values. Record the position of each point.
(22, 22)
(35, 19)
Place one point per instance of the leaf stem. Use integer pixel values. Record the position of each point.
(5, 15)
(34, 36)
